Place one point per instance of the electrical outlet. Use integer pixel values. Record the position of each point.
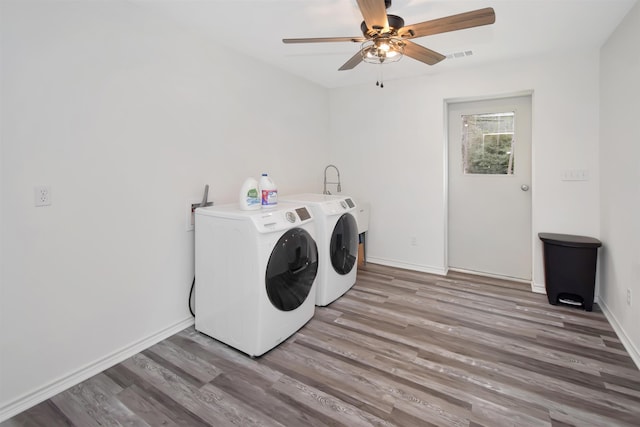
(42, 195)
(414, 241)
(629, 297)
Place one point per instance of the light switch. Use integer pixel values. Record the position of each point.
(575, 175)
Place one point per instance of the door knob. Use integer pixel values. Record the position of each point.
(524, 187)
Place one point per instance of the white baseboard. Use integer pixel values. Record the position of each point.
(538, 288)
(49, 390)
(493, 276)
(407, 266)
(626, 342)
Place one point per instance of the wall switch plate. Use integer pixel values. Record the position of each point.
(575, 175)
(42, 195)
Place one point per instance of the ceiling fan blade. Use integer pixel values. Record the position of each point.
(461, 21)
(350, 64)
(374, 13)
(421, 53)
(359, 39)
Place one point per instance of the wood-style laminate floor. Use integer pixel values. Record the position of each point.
(400, 348)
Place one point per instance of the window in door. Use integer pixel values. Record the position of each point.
(488, 144)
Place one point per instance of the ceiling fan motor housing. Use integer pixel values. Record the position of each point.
(395, 23)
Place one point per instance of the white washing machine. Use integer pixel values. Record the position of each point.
(337, 238)
(255, 274)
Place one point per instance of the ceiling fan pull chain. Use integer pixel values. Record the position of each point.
(381, 77)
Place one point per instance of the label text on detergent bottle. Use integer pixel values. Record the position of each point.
(252, 197)
(269, 197)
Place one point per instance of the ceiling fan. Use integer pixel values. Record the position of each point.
(386, 39)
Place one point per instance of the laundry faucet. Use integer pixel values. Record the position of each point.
(338, 188)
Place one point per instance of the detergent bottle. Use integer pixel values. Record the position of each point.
(250, 195)
(268, 192)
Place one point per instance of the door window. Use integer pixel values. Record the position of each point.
(343, 248)
(291, 270)
(488, 143)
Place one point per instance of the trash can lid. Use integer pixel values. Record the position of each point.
(570, 240)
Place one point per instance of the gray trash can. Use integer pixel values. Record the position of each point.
(570, 268)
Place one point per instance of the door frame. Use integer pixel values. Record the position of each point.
(446, 103)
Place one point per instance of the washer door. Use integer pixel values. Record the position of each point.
(343, 249)
(291, 270)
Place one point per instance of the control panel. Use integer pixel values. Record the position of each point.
(276, 220)
(338, 206)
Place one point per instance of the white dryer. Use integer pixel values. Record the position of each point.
(337, 238)
(255, 274)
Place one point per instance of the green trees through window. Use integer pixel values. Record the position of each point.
(488, 144)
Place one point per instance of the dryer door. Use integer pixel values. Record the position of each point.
(291, 270)
(343, 249)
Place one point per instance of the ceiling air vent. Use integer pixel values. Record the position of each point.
(460, 54)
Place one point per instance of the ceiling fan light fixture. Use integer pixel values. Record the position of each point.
(382, 50)
(386, 38)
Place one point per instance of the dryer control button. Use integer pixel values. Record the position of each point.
(343, 204)
(291, 217)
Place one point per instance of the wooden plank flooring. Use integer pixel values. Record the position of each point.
(400, 348)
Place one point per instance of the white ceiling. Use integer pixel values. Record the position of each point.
(522, 28)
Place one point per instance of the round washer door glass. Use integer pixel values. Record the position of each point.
(291, 270)
(343, 249)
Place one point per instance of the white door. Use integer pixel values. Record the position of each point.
(489, 212)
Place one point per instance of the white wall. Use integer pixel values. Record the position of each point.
(389, 145)
(620, 171)
(126, 116)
